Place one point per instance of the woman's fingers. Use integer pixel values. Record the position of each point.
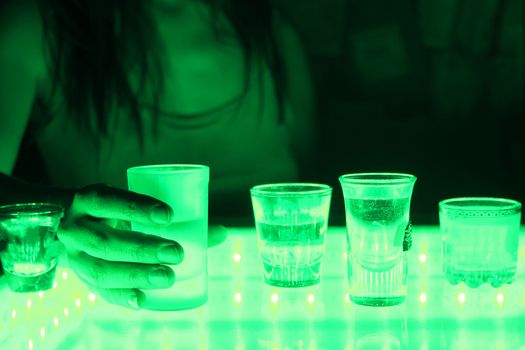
(129, 298)
(109, 244)
(126, 297)
(106, 202)
(106, 274)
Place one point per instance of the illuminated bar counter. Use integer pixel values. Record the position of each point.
(244, 313)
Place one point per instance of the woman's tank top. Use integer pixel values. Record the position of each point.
(241, 141)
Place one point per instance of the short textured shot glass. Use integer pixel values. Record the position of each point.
(291, 221)
(29, 247)
(184, 187)
(480, 240)
(377, 209)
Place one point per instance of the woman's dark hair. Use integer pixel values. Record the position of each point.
(95, 44)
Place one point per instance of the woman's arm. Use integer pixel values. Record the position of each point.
(113, 262)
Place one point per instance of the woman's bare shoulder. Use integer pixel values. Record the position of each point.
(22, 35)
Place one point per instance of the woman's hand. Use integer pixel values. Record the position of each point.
(114, 262)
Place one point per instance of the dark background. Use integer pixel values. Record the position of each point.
(429, 87)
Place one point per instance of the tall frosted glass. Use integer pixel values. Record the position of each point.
(185, 189)
(377, 209)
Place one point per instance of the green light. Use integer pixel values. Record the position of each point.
(311, 299)
(237, 298)
(462, 298)
(423, 298)
(275, 298)
(92, 297)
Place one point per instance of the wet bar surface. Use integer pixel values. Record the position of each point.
(244, 313)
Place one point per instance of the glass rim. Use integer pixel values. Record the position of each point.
(286, 189)
(469, 204)
(377, 179)
(167, 168)
(30, 209)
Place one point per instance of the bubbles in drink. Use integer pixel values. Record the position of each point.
(27, 252)
(478, 251)
(375, 231)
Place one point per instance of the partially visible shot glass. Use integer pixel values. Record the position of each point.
(480, 240)
(291, 221)
(29, 247)
(377, 209)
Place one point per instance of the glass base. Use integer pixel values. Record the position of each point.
(29, 284)
(476, 277)
(183, 295)
(367, 301)
(179, 305)
(292, 276)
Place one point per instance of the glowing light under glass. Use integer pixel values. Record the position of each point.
(311, 299)
(461, 298)
(237, 298)
(500, 298)
(423, 298)
(495, 303)
(275, 298)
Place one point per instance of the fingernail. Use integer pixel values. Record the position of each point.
(133, 302)
(159, 278)
(161, 215)
(170, 254)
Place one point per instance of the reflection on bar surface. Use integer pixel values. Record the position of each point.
(245, 313)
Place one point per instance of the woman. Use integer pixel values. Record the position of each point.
(104, 85)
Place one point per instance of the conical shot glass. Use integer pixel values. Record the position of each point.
(377, 207)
